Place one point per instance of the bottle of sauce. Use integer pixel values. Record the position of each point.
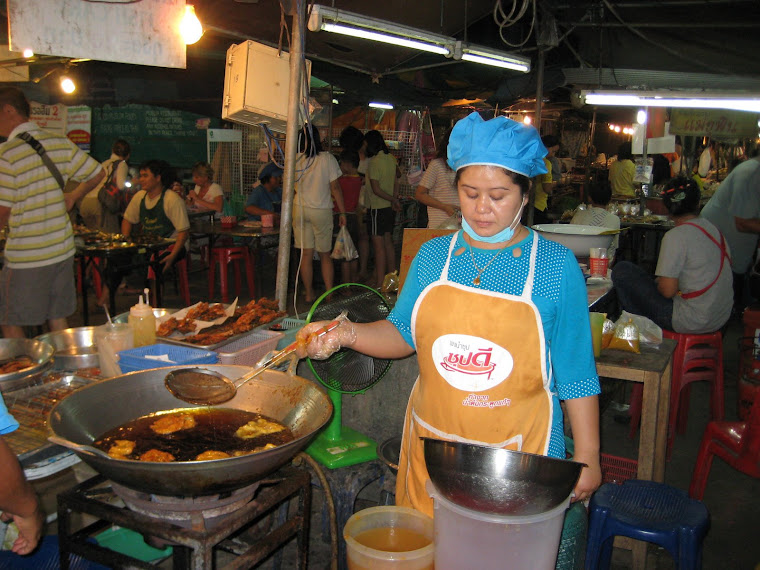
(143, 322)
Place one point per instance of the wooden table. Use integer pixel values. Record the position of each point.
(652, 367)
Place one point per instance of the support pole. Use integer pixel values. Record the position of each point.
(291, 141)
(537, 122)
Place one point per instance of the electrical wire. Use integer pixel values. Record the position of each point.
(504, 20)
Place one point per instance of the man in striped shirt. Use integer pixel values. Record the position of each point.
(37, 279)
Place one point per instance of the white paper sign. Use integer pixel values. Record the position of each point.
(145, 33)
(49, 117)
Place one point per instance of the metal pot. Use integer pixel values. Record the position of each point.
(41, 354)
(89, 412)
(74, 348)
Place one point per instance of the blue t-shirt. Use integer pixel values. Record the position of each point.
(7, 422)
(265, 200)
(559, 293)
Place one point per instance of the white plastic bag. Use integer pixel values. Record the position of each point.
(649, 332)
(344, 246)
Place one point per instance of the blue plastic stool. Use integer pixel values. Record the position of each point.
(648, 511)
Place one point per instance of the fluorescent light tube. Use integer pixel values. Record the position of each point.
(385, 38)
(670, 99)
(376, 105)
(489, 60)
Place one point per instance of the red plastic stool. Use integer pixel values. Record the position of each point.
(224, 256)
(698, 357)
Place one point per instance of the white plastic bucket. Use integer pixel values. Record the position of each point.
(363, 557)
(469, 539)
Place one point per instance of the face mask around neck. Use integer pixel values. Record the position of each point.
(503, 236)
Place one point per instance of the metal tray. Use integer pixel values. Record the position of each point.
(31, 406)
(181, 342)
(41, 354)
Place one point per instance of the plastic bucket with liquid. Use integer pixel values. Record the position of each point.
(385, 538)
(469, 539)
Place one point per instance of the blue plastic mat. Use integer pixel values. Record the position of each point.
(44, 558)
(135, 358)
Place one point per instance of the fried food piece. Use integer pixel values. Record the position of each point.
(167, 327)
(19, 363)
(186, 325)
(257, 427)
(270, 304)
(264, 447)
(211, 454)
(121, 448)
(171, 423)
(157, 455)
(205, 312)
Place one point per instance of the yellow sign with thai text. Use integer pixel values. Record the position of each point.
(716, 123)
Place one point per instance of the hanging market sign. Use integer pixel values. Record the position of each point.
(716, 123)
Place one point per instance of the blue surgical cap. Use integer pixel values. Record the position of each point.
(497, 142)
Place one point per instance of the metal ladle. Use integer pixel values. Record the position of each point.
(206, 388)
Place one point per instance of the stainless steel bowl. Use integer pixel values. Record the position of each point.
(41, 354)
(74, 348)
(578, 238)
(157, 312)
(499, 481)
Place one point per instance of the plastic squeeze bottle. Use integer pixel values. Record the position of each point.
(143, 322)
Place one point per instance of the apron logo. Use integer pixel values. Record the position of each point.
(471, 363)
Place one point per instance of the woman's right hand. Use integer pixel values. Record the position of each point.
(450, 210)
(324, 346)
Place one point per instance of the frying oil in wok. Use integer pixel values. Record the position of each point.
(214, 430)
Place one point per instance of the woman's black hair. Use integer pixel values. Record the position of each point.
(520, 179)
(351, 138)
(681, 196)
(375, 143)
(624, 151)
(308, 141)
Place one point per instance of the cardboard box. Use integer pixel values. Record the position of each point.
(410, 245)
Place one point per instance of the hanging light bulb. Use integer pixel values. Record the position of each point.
(67, 85)
(190, 27)
(28, 52)
(641, 117)
(527, 120)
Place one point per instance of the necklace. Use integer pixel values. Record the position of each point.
(480, 271)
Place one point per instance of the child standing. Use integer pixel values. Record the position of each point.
(351, 185)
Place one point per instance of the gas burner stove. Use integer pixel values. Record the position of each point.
(197, 528)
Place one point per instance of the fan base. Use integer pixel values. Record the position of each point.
(350, 448)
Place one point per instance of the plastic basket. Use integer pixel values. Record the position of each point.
(135, 358)
(617, 469)
(249, 349)
(288, 327)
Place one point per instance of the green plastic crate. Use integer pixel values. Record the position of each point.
(130, 543)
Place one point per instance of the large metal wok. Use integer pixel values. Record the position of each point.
(87, 413)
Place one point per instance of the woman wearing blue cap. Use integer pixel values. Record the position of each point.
(498, 317)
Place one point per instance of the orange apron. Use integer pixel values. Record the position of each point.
(483, 377)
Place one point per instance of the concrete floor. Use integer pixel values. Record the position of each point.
(731, 497)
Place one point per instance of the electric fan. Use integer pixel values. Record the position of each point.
(347, 372)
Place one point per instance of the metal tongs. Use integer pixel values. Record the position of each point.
(207, 388)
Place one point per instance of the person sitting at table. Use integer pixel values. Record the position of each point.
(266, 198)
(597, 215)
(622, 172)
(159, 212)
(207, 195)
(692, 292)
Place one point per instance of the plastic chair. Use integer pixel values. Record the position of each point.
(736, 443)
(225, 256)
(698, 357)
(96, 281)
(648, 511)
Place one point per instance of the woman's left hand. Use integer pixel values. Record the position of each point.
(396, 205)
(342, 220)
(589, 481)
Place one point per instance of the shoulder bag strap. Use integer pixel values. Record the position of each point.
(38, 148)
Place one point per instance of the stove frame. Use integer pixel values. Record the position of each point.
(193, 548)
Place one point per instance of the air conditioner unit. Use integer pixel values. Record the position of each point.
(257, 84)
